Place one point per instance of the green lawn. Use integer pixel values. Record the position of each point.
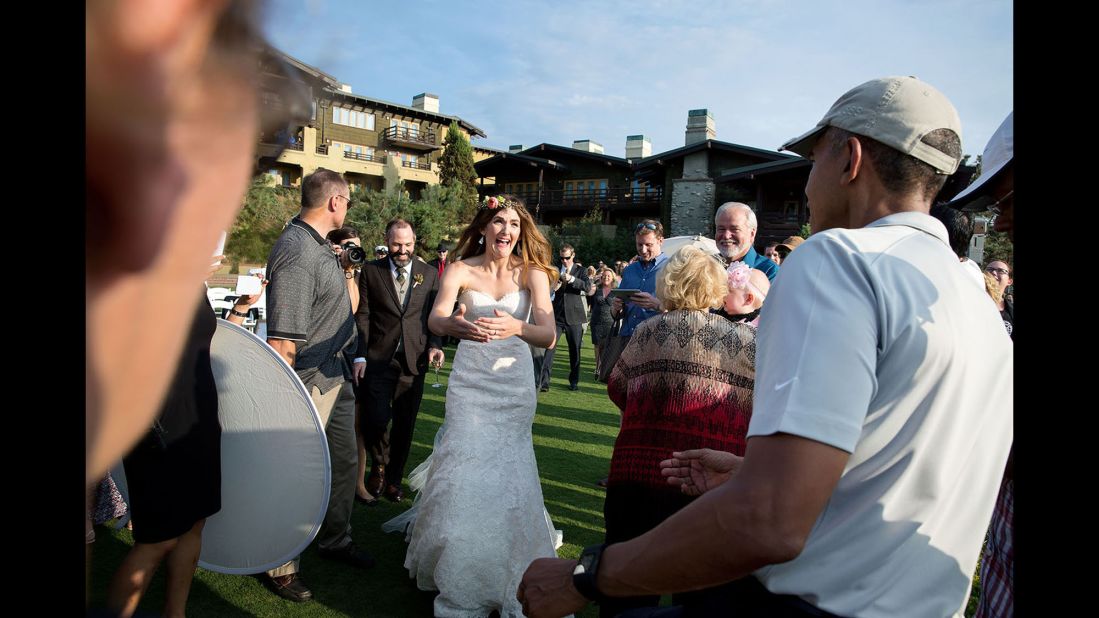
(573, 437)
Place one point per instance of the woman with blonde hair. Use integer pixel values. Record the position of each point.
(479, 517)
(684, 381)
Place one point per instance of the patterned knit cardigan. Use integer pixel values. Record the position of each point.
(684, 381)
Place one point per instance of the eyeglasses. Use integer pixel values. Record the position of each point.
(346, 198)
(994, 208)
(996, 271)
(566, 257)
(645, 226)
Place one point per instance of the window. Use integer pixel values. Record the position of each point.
(521, 188)
(362, 153)
(279, 178)
(585, 188)
(790, 211)
(406, 129)
(351, 118)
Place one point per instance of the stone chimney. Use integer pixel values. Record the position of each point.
(427, 102)
(588, 146)
(700, 127)
(638, 147)
(515, 148)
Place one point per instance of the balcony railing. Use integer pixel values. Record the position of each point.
(322, 149)
(364, 156)
(419, 165)
(412, 138)
(611, 199)
(281, 138)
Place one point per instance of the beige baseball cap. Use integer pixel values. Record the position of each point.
(896, 111)
(791, 243)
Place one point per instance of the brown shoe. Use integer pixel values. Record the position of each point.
(376, 481)
(290, 587)
(393, 493)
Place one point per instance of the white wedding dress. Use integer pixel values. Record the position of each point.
(478, 519)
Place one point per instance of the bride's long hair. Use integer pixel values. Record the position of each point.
(532, 248)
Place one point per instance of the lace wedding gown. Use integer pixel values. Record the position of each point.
(479, 520)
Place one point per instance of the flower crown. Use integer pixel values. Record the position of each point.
(740, 278)
(494, 202)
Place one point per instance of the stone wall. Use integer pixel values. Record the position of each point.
(692, 210)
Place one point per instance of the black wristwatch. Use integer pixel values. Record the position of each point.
(583, 576)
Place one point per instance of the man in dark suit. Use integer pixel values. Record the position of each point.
(568, 310)
(396, 295)
(440, 263)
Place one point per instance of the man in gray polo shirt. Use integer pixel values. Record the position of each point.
(882, 415)
(311, 302)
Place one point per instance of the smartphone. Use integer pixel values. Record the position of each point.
(248, 284)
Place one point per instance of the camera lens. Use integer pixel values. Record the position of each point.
(355, 253)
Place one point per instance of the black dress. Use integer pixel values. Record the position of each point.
(601, 319)
(174, 472)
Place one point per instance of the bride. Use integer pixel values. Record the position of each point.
(479, 519)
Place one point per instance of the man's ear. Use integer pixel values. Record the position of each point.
(855, 159)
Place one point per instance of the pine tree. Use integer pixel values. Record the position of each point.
(456, 169)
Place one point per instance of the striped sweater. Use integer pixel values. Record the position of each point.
(684, 381)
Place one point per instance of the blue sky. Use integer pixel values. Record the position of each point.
(528, 72)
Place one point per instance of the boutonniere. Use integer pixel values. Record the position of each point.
(417, 279)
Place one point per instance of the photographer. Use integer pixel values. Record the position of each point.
(346, 240)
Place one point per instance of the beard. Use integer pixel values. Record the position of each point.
(731, 251)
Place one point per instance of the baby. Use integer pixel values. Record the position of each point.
(747, 289)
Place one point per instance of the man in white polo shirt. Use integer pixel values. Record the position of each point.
(883, 408)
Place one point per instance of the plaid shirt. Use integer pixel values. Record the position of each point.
(998, 562)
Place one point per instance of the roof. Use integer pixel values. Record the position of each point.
(488, 149)
(665, 157)
(406, 110)
(544, 149)
(306, 68)
(751, 171)
(485, 167)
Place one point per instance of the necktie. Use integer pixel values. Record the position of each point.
(400, 277)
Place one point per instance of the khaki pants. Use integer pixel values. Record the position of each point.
(337, 412)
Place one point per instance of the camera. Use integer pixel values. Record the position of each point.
(355, 253)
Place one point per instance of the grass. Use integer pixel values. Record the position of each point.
(574, 433)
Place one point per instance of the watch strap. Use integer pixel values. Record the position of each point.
(585, 581)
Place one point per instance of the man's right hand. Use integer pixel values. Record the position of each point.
(358, 370)
(645, 301)
(698, 471)
(617, 306)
